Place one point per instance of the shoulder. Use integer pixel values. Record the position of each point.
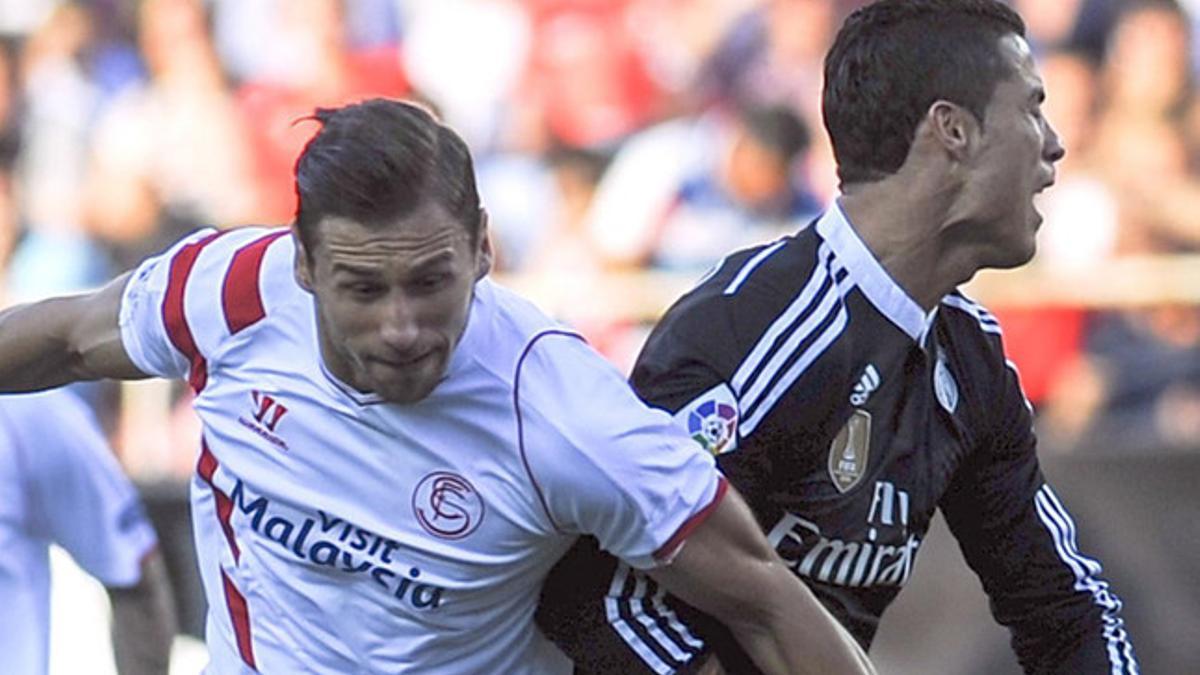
(736, 305)
(979, 346)
(179, 308)
(505, 328)
(972, 323)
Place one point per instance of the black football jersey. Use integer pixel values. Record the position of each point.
(846, 416)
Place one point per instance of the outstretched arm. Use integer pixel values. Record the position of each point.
(727, 569)
(54, 342)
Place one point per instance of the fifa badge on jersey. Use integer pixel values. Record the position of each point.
(944, 385)
(711, 419)
(850, 450)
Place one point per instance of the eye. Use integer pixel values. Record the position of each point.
(364, 290)
(431, 282)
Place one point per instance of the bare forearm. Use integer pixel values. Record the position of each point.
(144, 622)
(792, 633)
(61, 340)
(35, 350)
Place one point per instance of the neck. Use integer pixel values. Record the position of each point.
(907, 225)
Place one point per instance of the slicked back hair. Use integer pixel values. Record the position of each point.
(893, 59)
(378, 161)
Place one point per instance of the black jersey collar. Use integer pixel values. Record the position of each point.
(868, 274)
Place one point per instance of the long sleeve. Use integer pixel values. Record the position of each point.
(1021, 542)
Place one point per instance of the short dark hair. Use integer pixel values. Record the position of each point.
(777, 127)
(379, 160)
(893, 59)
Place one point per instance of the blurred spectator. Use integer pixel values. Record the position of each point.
(587, 79)
(169, 154)
(59, 101)
(1136, 384)
(317, 67)
(8, 106)
(774, 54)
(22, 17)
(468, 56)
(681, 194)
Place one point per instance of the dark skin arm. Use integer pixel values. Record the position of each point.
(66, 339)
(144, 623)
(727, 569)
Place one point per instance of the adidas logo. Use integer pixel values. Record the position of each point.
(867, 384)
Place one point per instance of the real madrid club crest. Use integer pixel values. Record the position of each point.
(850, 450)
(711, 420)
(944, 385)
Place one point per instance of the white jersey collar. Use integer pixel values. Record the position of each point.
(868, 274)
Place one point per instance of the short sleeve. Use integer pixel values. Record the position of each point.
(79, 497)
(143, 329)
(602, 462)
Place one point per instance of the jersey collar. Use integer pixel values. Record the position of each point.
(868, 274)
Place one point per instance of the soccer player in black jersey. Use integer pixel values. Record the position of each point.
(849, 390)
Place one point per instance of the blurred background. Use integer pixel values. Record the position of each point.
(623, 147)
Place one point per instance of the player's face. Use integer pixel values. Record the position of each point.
(392, 302)
(1013, 163)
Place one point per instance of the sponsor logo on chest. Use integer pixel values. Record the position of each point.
(329, 541)
(883, 556)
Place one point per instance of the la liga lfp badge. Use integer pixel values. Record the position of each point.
(712, 425)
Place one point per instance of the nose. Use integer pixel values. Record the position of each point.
(1052, 149)
(399, 328)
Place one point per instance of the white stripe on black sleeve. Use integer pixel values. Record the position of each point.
(1086, 572)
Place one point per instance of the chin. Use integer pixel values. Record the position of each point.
(1014, 257)
(396, 388)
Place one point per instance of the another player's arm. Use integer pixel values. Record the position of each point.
(727, 569)
(1020, 541)
(66, 339)
(143, 625)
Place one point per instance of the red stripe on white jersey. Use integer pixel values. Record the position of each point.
(240, 615)
(174, 317)
(241, 298)
(206, 467)
(669, 549)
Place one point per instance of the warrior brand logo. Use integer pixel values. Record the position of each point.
(867, 384)
(850, 450)
(267, 414)
(810, 554)
(447, 505)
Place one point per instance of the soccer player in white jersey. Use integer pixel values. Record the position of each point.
(395, 450)
(59, 484)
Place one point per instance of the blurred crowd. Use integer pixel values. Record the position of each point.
(609, 135)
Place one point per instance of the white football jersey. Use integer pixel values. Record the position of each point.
(340, 533)
(60, 484)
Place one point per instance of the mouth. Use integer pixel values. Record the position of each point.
(403, 362)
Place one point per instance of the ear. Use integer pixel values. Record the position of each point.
(484, 255)
(301, 267)
(953, 128)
